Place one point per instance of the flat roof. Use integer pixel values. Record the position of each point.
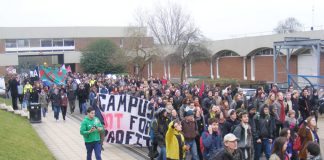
(67, 32)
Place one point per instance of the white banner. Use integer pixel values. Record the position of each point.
(127, 119)
(2, 85)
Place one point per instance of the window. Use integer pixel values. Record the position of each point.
(121, 43)
(11, 43)
(68, 42)
(46, 43)
(22, 43)
(57, 42)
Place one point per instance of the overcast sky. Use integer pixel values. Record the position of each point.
(218, 19)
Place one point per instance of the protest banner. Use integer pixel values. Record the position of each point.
(127, 119)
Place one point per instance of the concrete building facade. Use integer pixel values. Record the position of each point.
(248, 58)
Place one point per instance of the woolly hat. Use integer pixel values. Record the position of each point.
(189, 113)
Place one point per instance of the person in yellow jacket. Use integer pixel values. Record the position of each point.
(28, 87)
(175, 142)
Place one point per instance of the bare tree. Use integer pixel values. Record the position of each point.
(171, 25)
(142, 55)
(289, 25)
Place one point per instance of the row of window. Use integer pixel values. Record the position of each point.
(23, 43)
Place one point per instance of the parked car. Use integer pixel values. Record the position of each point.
(249, 92)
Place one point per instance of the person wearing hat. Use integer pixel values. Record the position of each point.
(231, 122)
(190, 131)
(160, 127)
(230, 150)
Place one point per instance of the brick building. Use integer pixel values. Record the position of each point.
(248, 58)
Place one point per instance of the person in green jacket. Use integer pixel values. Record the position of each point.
(90, 129)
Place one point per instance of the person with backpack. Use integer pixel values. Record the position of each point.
(263, 132)
(190, 131)
(243, 133)
(211, 139)
(307, 133)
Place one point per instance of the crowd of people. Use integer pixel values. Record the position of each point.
(192, 122)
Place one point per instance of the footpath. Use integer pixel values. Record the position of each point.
(65, 142)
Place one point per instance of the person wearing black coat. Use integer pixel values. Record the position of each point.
(82, 97)
(13, 88)
(263, 132)
(160, 127)
(304, 104)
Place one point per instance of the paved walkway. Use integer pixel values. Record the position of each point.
(65, 142)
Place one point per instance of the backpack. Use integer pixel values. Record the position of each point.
(202, 148)
(297, 143)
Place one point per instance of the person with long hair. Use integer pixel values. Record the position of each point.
(286, 132)
(308, 133)
(279, 149)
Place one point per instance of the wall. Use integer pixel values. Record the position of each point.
(200, 68)
(231, 67)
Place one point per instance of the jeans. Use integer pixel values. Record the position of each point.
(44, 110)
(72, 105)
(193, 150)
(264, 146)
(162, 154)
(56, 111)
(24, 104)
(84, 108)
(96, 146)
(63, 108)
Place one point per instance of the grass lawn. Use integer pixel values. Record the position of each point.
(18, 139)
(6, 101)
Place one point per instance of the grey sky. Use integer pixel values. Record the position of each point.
(217, 19)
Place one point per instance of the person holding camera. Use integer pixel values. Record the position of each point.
(90, 130)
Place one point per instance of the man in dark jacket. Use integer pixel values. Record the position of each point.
(160, 127)
(263, 132)
(190, 131)
(212, 139)
(13, 84)
(82, 96)
(230, 151)
(56, 101)
(231, 122)
(304, 104)
(208, 101)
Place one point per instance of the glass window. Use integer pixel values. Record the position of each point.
(68, 42)
(46, 43)
(22, 43)
(11, 43)
(121, 43)
(34, 42)
(58, 42)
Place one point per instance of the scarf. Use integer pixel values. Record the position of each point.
(282, 115)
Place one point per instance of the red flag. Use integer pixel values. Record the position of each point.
(68, 69)
(202, 88)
